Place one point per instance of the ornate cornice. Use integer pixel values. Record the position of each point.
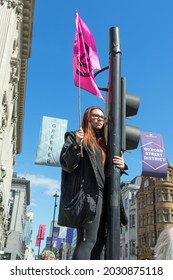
(24, 10)
(15, 4)
(27, 26)
(26, 40)
(10, 3)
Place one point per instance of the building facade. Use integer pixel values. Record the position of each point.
(15, 244)
(16, 23)
(155, 211)
(128, 237)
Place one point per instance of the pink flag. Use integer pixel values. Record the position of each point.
(85, 58)
(40, 235)
(41, 231)
(38, 241)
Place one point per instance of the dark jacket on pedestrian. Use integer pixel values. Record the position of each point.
(79, 171)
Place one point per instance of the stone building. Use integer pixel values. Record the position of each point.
(16, 23)
(155, 211)
(128, 236)
(15, 244)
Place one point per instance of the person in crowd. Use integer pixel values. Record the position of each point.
(164, 246)
(83, 161)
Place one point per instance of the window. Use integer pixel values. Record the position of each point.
(169, 176)
(146, 184)
(171, 215)
(133, 198)
(152, 242)
(144, 240)
(126, 203)
(165, 194)
(159, 215)
(132, 247)
(158, 195)
(150, 198)
(145, 219)
(148, 218)
(143, 202)
(153, 238)
(11, 209)
(132, 221)
(166, 215)
(171, 195)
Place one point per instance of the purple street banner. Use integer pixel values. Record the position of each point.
(56, 233)
(69, 235)
(58, 243)
(51, 140)
(48, 242)
(154, 162)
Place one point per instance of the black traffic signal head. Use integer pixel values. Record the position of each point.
(129, 107)
(132, 104)
(132, 137)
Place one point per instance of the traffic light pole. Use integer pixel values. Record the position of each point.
(114, 144)
(53, 221)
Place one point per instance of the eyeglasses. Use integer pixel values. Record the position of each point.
(96, 116)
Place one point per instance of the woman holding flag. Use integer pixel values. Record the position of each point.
(83, 162)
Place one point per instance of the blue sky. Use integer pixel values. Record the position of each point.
(147, 63)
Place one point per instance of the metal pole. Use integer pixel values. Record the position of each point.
(54, 212)
(123, 113)
(114, 144)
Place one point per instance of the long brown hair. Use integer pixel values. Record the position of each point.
(90, 138)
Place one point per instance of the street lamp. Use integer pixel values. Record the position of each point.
(54, 212)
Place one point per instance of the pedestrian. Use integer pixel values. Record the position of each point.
(83, 161)
(164, 246)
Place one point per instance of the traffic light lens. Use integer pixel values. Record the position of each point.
(132, 104)
(132, 137)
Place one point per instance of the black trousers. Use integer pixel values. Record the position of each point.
(91, 238)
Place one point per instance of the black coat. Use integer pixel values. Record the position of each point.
(77, 171)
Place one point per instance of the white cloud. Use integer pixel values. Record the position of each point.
(48, 184)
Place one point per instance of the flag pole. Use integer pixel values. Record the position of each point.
(79, 107)
(79, 99)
